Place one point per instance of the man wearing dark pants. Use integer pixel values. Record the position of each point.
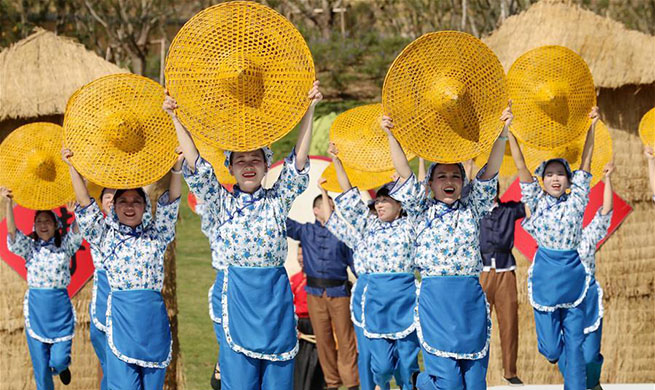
(326, 260)
(498, 279)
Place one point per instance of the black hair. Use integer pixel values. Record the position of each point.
(260, 149)
(462, 171)
(384, 191)
(317, 199)
(104, 191)
(139, 191)
(58, 233)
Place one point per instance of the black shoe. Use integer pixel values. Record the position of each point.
(331, 388)
(415, 380)
(65, 376)
(597, 387)
(553, 361)
(353, 388)
(514, 381)
(216, 382)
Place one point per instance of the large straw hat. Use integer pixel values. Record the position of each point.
(507, 168)
(647, 128)
(216, 158)
(552, 91)
(572, 152)
(445, 93)
(360, 179)
(118, 132)
(31, 166)
(240, 73)
(362, 143)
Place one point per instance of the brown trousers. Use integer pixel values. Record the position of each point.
(500, 288)
(339, 365)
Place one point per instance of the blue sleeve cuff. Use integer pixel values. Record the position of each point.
(290, 161)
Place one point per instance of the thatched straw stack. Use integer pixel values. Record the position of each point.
(621, 62)
(37, 76)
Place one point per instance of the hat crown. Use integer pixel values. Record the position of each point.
(243, 79)
(125, 131)
(552, 98)
(449, 97)
(42, 164)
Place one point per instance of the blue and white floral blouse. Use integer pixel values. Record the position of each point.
(48, 266)
(248, 230)
(207, 226)
(349, 236)
(447, 236)
(132, 257)
(384, 246)
(592, 234)
(556, 223)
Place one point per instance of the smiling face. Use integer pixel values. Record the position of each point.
(249, 169)
(447, 182)
(387, 208)
(556, 180)
(44, 226)
(129, 208)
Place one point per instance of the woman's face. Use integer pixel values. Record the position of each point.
(556, 181)
(446, 183)
(44, 226)
(249, 169)
(107, 200)
(387, 208)
(129, 208)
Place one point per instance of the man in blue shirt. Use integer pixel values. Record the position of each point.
(498, 279)
(326, 260)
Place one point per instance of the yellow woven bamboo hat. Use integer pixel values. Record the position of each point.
(647, 128)
(360, 179)
(362, 143)
(507, 168)
(118, 132)
(445, 93)
(552, 91)
(240, 73)
(572, 152)
(216, 158)
(31, 166)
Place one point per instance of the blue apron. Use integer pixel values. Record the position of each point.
(138, 331)
(357, 294)
(593, 307)
(49, 315)
(214, 298)
(258, 316)
(557, 280)
(388, 305)
(453, 317)
(98, 307)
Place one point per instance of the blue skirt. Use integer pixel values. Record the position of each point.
(138, 331)
(453, 317)
(388, 305)
(557, 280)
(214, 298)
(49, 315)
(356, 300)
(98, 306)
(258, 317)
(593, 307)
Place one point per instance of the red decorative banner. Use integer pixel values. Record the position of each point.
(528, 246)
(81, 262)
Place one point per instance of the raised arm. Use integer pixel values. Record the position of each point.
(187, 145)
(524, 173)
(421, 169)
(608, 194)
(305, 134)
(498, 150)
(175, 186)
(81, 192)
(342, 176)
(397, 154)
(650, 155)
(70, 207)
(588, 149)
(9, 212)
(326, 210)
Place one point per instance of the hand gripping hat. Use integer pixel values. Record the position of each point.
(362, 143)
(507, 168)
(445, 93)
(240, 73)
(552, 92)
(360, 179)
(118, 132)
(647, 128)
(31, 166)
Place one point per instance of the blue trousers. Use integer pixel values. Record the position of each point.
(366, 381)
(48, 360)
(562, 332)
(443, 373)
(240, 372)
(125, 376)
(99, 342)
(592, 357)
(394, 356)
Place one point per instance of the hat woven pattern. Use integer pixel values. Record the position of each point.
(552, 91)
(360, 179)
(445, 93)
(240, 73)
(216, 158)
(31, 166)
(507, 167)
(118, 132)
(647, 128)
(362, 143)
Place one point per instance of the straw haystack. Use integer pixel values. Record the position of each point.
(621, 62)
(37, 76)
